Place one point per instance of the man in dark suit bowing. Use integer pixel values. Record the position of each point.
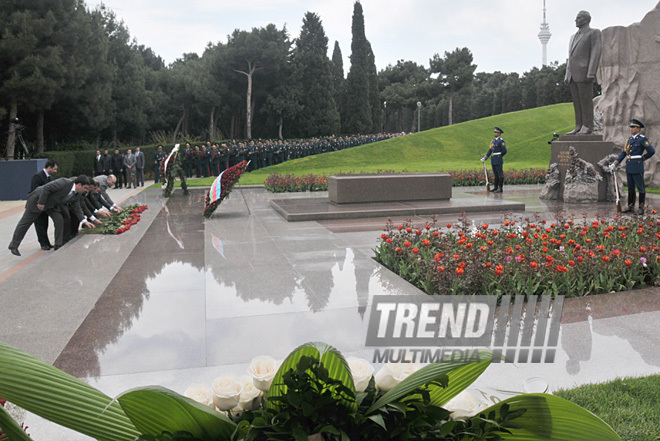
(49, 198)
(41, 223)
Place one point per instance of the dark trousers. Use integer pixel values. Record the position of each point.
(187, 169)
(582, 95)
(139, 176)
(498, 171)
(157, 173)
(120, 178)
(28, 219)
(41, 227)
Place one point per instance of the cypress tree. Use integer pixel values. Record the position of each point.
(338, 77)
(358, 114)
(313, 72)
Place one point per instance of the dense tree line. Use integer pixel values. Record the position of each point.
(75, 77)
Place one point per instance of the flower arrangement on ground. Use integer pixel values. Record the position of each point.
(277, 183)
(170, 168)
(16, 414)
(526, 257)
(315, 392)
(118, 223)
(222, 187)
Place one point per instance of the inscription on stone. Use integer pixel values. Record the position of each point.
(564, 158)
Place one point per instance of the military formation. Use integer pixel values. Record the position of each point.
(210, 159)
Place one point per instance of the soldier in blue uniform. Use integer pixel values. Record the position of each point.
(635, 155)
(159, 156)
(496, 152)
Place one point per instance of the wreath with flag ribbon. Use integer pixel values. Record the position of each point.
(222, 187)
(170, 168)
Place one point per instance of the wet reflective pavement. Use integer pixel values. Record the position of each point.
(180, 299)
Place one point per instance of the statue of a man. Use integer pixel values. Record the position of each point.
(583, 57)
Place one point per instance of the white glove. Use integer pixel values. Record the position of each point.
(483, 159)
(613, 166)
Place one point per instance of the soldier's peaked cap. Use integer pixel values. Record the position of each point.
(636, 123)
(498, 130)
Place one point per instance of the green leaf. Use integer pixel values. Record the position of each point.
(461, 375)
(57, 396)
(11, 427)
(551, 418)
(155, 409)
(332, 360)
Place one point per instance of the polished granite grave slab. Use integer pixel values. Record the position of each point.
(180, 299)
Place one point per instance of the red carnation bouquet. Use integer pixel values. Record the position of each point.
(222, 187)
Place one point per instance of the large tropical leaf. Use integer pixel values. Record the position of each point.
(57, 396)
(155, 409)
(460, 375)
(550, 418)
(11, 427)
(332, 360)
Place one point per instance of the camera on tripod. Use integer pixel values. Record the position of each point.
(18, 127)
(555, 137)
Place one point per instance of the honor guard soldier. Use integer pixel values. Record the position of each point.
(159, 157)
(637, 150)
(496, 153)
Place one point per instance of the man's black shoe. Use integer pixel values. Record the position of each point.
(57, 247)
(46, 247)
(14, 251)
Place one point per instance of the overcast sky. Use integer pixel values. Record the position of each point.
(502, 34)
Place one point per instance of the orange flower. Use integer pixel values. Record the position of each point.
(388, 240)
(561, 269)
(460, 271)
(499, 269)
(606, 258)
(628, 262)
(484, 226)
(436, 233)
(571, 262)
(407, 244)
(409, 230)
(426, 242)
(448, 225)
(415, 250)
(398, 250)
(580, 259)
(441, 268)
(383, 236)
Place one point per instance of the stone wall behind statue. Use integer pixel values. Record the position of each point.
(629, 74)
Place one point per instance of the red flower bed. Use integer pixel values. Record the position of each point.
(526, 257)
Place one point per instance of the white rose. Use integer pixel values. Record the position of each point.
(464, 405)
(200, 393)
(392, 374)
(226, 391)
(362, 371)
(250, 392)
(263, 369)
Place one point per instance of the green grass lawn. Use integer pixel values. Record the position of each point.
(631, 406)
(456, 147)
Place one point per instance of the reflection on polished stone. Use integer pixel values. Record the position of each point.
(197, 293)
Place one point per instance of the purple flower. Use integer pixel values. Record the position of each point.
(643, 260)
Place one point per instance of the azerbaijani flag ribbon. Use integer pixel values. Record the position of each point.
(216, 189)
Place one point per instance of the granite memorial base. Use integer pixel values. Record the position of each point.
(387, 195)
(590, 148)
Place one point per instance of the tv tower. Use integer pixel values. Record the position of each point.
(544, 36)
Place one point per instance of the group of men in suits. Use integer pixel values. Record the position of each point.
(68, 202)
(128, 168)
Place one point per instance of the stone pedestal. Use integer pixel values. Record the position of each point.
(590, 148)
(15, 178)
